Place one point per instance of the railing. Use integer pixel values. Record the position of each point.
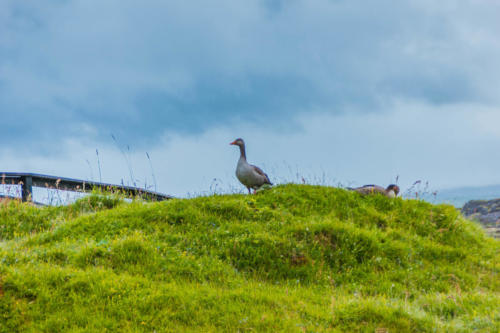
(29, 180)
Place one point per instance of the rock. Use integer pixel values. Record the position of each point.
(486, 212)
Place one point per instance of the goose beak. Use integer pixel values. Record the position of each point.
(233, 143)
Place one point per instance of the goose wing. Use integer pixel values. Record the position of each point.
(369, 189)
(261, 173)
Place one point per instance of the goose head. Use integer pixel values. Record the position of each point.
(238, 142)
(394, 189)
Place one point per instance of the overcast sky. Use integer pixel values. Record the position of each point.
(332, 91)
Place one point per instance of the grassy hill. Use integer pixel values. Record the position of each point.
(294, 258)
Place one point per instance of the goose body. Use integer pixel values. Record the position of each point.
(391, 191)
(251, 176)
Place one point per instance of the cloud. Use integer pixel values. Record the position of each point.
(415, 141)
(81, 70)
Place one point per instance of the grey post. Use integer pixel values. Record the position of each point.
(27, 188)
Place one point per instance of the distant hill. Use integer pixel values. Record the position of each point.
(461, 195)
(292, 258)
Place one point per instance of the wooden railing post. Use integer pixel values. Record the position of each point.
(27, 188)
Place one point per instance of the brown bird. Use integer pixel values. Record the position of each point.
(249, 175)
(391, 191)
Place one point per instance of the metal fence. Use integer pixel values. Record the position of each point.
(29, 180)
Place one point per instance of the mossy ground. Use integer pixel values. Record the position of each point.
(293, 258)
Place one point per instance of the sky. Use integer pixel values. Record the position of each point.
(332, 92)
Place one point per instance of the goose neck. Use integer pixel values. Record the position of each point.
(243, 154)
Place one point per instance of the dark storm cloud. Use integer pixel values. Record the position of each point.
(86, 69)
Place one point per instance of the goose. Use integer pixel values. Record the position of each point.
(249, 175)
(391, 191)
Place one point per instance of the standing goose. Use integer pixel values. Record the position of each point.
(249, 175)
(391, 191)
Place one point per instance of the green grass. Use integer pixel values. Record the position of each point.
(293, 258)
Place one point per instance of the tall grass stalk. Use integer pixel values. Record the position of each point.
(127, 160)
(152, 171)
(98, 165)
